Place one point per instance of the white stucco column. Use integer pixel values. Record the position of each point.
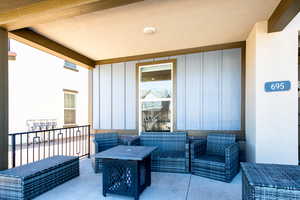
(272, 117)
(3, 99)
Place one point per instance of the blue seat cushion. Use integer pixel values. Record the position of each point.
(210, 162)
(38, 167)
(172, 155)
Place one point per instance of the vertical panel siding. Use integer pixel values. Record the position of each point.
(130, 101)
(118, 96)
(193, 91)
(105, 97)
(208, 92)
(180, 91)
(211, 66)
(231, 89)
(96, 98)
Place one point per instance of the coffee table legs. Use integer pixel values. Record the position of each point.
(148, 170)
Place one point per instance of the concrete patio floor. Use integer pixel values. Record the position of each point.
(165, 186)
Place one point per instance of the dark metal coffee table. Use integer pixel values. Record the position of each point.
(126, 170)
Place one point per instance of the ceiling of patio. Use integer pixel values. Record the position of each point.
(10, 5)
(118, 32)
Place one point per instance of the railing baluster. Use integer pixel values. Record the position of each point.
(89, 141)
(66, 140)
(73, 142)
(39, 142)
(49, 139)
(78, 142)
(44, 136)
(27, 145)
(13, 150)
(33, 149)
(58, 136)
(53, 143)
(21, 149)
(83, 142)
(58, 142)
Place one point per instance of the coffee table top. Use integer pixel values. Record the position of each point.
(123, 152)
(272, 175)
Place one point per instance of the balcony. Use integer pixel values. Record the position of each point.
(164, 186)
(32, 146)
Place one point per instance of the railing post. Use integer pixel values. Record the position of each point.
(89, 142)
(13, 150)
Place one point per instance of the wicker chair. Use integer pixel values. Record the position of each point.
(172, 154)
(216, 157)
(106, 141)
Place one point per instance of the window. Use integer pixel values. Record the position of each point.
(155, 97)
(11, 55)
(69, 108)
(69, 65)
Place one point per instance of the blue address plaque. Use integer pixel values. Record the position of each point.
(277, 86)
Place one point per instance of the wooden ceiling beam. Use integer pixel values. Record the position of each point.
(50, 10)
(283, 15)
(241, 44)
(40, 42)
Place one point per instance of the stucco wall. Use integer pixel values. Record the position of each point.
(251, 96)
(274, 129)
(36, 83)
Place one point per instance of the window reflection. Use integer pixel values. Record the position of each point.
(156, 116)
(156, 82)
(156, 96)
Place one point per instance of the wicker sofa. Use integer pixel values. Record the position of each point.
(104, 141)
(172, 154)
(28, 181)
(216, 157)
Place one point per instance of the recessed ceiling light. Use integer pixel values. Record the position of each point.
(149, 30)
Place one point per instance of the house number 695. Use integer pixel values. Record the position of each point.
(277, 86)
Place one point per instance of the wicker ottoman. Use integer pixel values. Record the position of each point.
(28, 181)
(270, 181)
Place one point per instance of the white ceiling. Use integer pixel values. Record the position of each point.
(118, 32)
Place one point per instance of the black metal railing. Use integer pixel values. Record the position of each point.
(31, 146)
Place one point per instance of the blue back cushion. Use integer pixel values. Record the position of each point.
(217, 143)
(106, 141)
(165, 141)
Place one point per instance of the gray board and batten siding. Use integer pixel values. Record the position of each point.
(208, 93)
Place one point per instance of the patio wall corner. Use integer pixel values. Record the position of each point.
(250, 95)
(272, 118)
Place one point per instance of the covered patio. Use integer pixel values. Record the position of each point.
(214, 82)
(165, 186)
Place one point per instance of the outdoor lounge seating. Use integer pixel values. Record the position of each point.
(270, 181)
(104, 141)
(172, 154)
(28, 181)
(216, 157)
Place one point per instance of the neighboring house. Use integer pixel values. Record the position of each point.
(45, 91)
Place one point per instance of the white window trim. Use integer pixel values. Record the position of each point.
(75, 109)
